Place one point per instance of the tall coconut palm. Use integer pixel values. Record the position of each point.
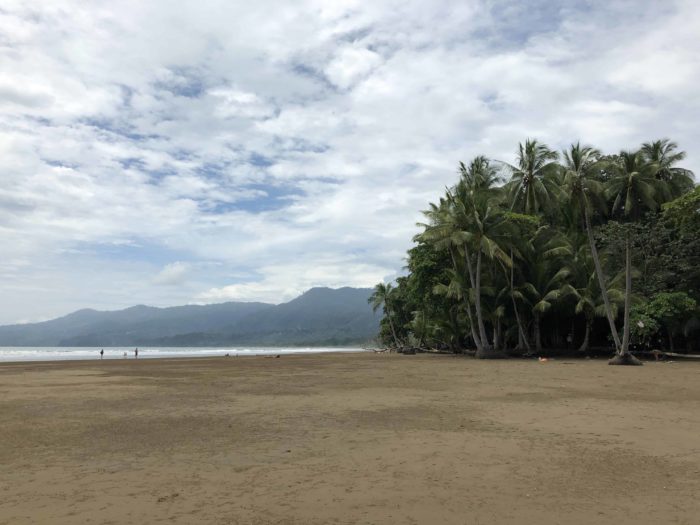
(633, 189)
(381, 296)
(531, 187)
(584, 191)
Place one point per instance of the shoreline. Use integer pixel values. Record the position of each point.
(146, 353)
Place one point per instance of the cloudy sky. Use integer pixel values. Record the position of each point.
(185, 152)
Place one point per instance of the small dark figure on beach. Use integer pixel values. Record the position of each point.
(102, 353)
(136, 353)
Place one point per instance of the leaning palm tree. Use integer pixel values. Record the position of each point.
(531, 187)
(584, 191)
(633, 189)
(382, 297)
(584, 287)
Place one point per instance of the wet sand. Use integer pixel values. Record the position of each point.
(354, 438)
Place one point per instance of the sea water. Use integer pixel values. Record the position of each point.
(45, 353)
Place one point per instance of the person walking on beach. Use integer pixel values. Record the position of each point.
(102, 353)
(136, 353)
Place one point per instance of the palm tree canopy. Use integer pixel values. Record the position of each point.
(581, 184)
(379, 296)
(664, 156)
(531, 187)
(633, 188)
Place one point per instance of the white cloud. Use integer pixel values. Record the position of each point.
(273, 147)
(283, 282)
(172, 274)
(351, 64)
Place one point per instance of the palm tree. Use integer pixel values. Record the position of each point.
(458, 288)
(470, 224)
(523, 228)
(545, 275)
(634, 190)
(584, 287)
(443, 232)
(531, 186)
(480, 175)
(663, 155)
(580, 163)
(382, 297)
(483, 229)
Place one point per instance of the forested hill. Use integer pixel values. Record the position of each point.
(321, 316)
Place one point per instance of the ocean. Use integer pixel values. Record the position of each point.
(27, 353)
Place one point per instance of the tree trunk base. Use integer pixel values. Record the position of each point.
(490, 353)
(627, 360)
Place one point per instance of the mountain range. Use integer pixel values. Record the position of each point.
(321, 316)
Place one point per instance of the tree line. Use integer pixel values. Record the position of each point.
(559, 250)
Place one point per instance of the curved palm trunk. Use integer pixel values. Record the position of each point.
(522, 337)
(601, 279)
(454, 336)
(421, 340)
(498, 335)
(586, 338)
(470, 269)
(472, 327)
(538, 335)
(477, 299)
(476, 285)
(624, 350)
(483, 347)
(391, 325)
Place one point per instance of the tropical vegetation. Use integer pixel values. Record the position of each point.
(577, 250)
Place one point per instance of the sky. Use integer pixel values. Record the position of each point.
(168, 153)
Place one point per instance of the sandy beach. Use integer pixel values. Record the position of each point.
(353, 438)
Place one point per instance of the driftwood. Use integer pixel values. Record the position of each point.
(378, 350)
(658, 354)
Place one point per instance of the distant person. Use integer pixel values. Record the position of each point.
(124, 355)
(136, 353)
(102, 353)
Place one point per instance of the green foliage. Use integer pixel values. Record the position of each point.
(671, 309)
(544, 255)
(645, 328)
(684, 212)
